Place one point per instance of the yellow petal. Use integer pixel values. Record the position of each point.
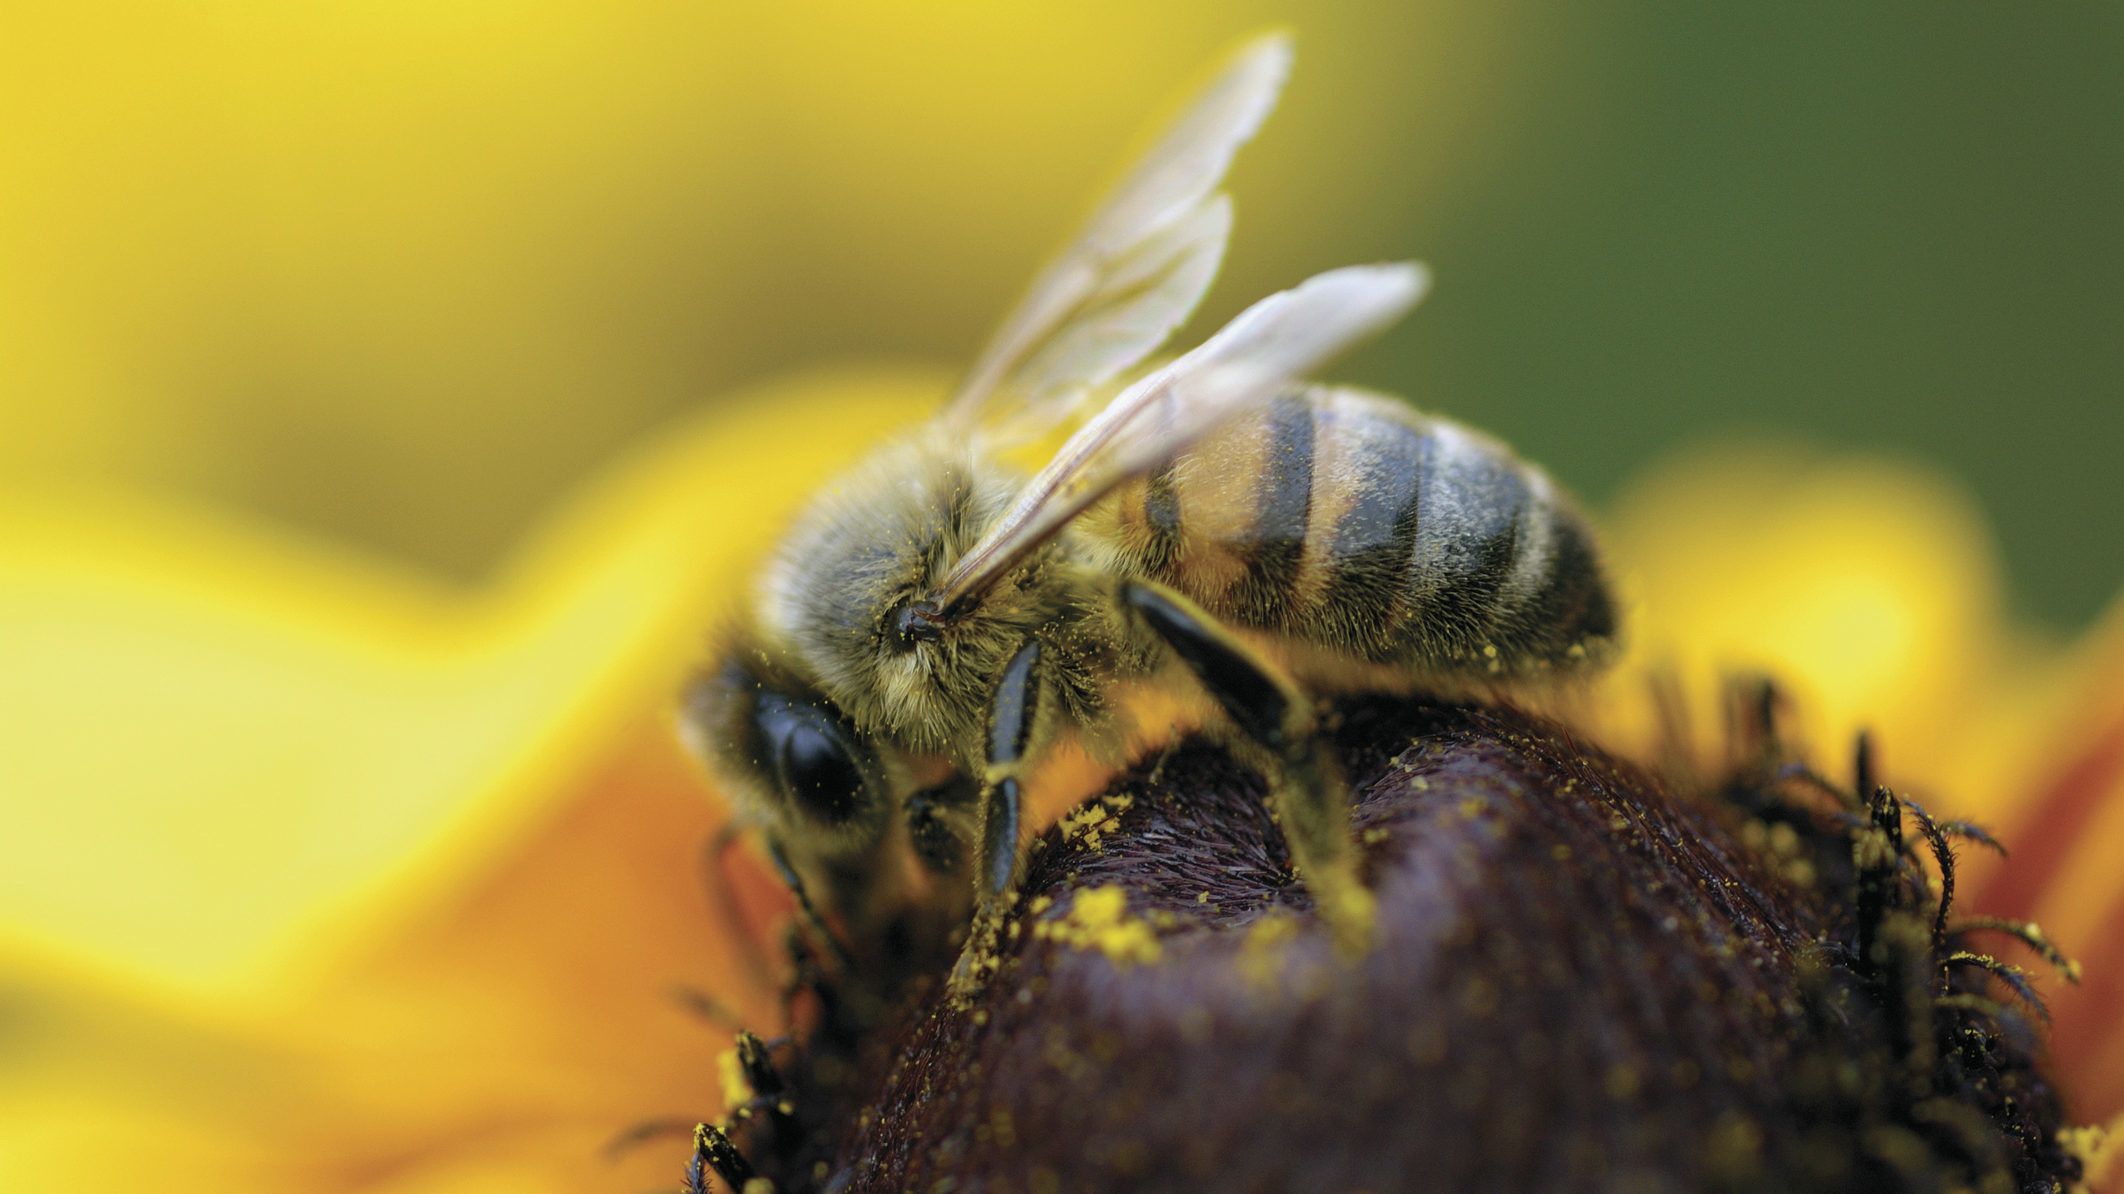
(264, 747)
(1867, 589)
(423, 866)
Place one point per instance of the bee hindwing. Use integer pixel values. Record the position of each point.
(1270, 345)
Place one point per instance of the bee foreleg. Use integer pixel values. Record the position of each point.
(1275, 715)
(805, 908)
(804, 974)
(715, 865)
(1011, 713)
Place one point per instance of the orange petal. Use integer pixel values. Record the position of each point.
(539, 1004)
(2066, 832)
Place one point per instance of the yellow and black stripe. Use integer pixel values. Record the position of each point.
(1352, 522)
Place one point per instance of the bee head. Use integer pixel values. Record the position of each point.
(849, 592)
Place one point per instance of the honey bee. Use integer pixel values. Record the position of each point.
(1218, 522)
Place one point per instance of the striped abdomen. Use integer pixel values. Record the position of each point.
(1351, 521)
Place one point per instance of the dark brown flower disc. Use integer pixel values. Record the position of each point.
(1579, 982)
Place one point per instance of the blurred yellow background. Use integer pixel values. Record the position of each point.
(387, 390)
(397, 274)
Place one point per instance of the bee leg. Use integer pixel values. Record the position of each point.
(1010, 725)
(934, 816)
(715, 866)
(712, 1150)
(805, 975)
(1311, 800)
(807, 910)
(1011, 713)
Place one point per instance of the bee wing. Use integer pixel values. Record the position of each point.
(1135, 271)
(1254, 358)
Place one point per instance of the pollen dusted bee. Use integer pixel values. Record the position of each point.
(1217, 522)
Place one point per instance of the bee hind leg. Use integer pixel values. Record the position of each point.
(1311, 798)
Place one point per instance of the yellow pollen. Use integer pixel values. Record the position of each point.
(1092, 821)
(736, 1090)
(1098, 919)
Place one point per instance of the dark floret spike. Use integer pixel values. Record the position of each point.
(1864, 785)
(758, 1068)
(1769, 700)
(2015, 978)
(2027, 933)
(1751, 713)
(1970, 831)
(713, 1152)
(1943, 859)
(1877, 851)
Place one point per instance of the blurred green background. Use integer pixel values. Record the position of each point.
(398, 275)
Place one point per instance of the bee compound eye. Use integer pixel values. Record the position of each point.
(819, 771)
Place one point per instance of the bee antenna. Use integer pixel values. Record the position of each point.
(918, 622)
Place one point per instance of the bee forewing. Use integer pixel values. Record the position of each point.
(1269, 346)
(1146, 294)
(1136, 270)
